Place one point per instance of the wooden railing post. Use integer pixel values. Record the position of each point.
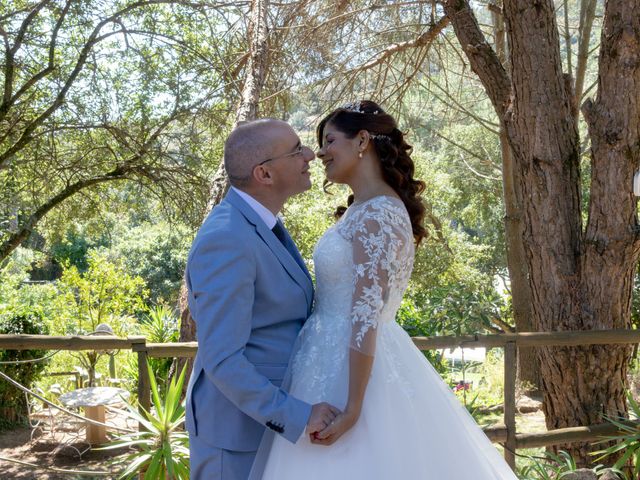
(510, 367)
(139, 345)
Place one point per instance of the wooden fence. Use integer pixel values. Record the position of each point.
(505, 433)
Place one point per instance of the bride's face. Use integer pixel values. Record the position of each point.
(339, 155)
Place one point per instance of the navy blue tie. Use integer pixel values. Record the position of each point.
(278, 231)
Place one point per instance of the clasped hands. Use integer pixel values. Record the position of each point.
(327, 423)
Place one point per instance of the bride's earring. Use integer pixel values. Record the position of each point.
(359, 154)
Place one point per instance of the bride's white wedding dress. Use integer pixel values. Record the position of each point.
(411, 425)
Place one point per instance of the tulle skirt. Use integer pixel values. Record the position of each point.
(411, 426)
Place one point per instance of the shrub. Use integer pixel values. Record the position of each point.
(410, 318)
(13, 407)
(160, 325)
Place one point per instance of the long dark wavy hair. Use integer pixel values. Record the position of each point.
(392, 149)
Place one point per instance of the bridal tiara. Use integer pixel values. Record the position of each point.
(356, 107)
(379, 136)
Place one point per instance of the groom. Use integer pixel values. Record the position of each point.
(249, 294)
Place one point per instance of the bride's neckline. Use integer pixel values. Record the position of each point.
(357, 203)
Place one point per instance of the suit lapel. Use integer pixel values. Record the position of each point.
(297, 272)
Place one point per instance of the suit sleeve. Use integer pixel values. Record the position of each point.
(222, 272)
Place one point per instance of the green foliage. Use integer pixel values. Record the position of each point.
(162, 450)
(105, 293)
(74, 248)
(487, 379)
(143, 105)
(463, 310)
(19, 321)
(147, 247)
(17, 295)
(557, 467)
(160, 325)
(15, 271)
(455, 269)
(157, 253)
(627, 441)
(470, 186)
(550, 467)
(409, 317)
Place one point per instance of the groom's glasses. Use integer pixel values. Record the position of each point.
(297, 151)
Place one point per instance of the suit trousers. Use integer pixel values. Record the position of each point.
(213, 463)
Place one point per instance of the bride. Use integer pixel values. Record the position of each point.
(399, 420)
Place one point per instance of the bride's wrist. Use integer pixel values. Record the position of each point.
(353, 410)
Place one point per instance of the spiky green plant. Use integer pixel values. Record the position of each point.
(159, 325)
(551, 467)
(162, 450)
(627, 440)
(557, 467)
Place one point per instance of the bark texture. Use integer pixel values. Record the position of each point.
(528, 366)
(581, 279)
(528, 370)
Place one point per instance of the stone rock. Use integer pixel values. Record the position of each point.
(609, 476)
(528, 405)
(581, 474)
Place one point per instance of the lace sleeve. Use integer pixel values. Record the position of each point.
(377, 243)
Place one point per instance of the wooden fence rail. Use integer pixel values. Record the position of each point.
(505, 434)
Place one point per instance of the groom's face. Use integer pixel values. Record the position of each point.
(289, 162)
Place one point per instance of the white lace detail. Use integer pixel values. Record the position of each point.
(362, 265)
(380, 234)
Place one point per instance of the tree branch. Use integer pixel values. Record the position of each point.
(7, 103)
(422, 40)
(26, 229)
(483, 59)
(92, 40)
(586, 22)
(10, 52)
(502, 324)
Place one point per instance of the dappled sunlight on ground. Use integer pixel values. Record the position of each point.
(16, 444)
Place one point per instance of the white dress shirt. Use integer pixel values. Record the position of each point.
(265, 214)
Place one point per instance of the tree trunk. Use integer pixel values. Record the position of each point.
(579, 281)
(187, 334)
(247, 110)
(611, 244)
(587, 15)
(527, 368)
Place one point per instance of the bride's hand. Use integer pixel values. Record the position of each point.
(341, 424)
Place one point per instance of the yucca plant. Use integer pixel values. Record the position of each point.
(160, 325)
(162, 450)
(627, 440)
(557, 467)
(551, 467)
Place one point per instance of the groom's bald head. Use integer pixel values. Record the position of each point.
(249, 144)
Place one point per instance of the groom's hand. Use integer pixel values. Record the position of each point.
(338, 427)
(322, 414)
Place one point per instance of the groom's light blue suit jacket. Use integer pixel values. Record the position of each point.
(249, 298)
